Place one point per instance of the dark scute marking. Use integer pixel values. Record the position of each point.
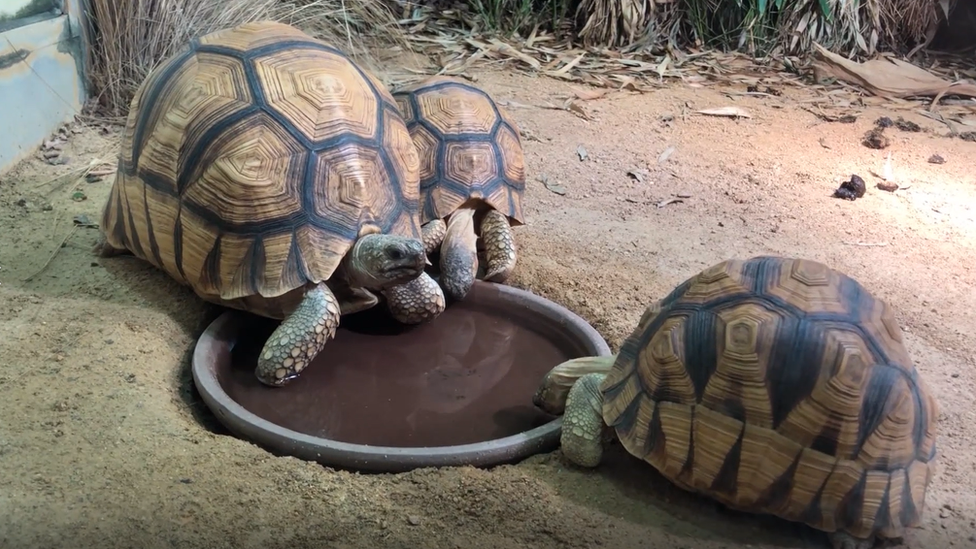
(294, 274)
(874, 404)
(210, 275)
(689, 465)
(922, 412)
(178, 240)
(761, 273)
(794, 363)
(701, 352)
(908, 508)
(153, 245)
(150, 99)
(813, 514)
(778, 492)
(727, 479)
(852, 504)
(732, 407)
(198, 160)
(826, 441)
(655, 434)
(254, 260)
(120, 218)
(135, 244)
(628, 418)
(882, 519)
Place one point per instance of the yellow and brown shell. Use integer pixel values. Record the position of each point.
(779, 386)
(253, 160)
(469, 147)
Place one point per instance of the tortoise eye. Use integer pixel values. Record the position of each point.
(395, 254)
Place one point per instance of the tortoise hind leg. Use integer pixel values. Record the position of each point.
(417, 301)
(496, 233)
(843, 540)
(299, 338)
(459, 254)
(582, 431)
(103, 249)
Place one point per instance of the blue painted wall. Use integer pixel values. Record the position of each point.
(41, 77)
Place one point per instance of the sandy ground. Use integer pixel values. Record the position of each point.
(104, 443)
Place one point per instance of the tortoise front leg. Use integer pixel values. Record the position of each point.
(459, 254)
(432, 233)
(299, 338)
(417, 301)
(582, 431)
(496, 233)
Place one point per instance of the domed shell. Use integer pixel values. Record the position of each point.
(469, 147)
(779, 386)
(253, 160)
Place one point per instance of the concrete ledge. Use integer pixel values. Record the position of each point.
(41, 83)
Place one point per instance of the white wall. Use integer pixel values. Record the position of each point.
(42, 78)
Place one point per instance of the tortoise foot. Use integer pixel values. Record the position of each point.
(417, 301)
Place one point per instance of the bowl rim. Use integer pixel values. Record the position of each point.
(389, 459)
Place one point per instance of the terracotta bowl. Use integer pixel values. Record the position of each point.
(356, 405)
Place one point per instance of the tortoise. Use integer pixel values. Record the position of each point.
(773, 385)
(472, 177)
(269, 173)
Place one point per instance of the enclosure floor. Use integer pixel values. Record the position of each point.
(104, 442)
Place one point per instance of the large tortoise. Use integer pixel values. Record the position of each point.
(268, 172)
(772, 385)
(472, 173)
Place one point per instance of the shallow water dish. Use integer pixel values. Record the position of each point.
(383, 397)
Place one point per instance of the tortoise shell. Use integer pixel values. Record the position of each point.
(253, 160)
(469, 148)
(779, 386)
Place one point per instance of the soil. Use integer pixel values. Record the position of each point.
(105, 443)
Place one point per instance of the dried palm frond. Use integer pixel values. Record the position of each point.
(614, 23)
(127, 39)
(848, 26)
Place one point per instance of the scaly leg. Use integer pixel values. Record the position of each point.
(432, 233)
(459, 254)
(299, 338)
(416, 301)
(582, 432)
(496, 233)
(103, 249)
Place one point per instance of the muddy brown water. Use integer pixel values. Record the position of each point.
(466, 377)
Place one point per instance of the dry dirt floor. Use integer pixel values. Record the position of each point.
(104, 443)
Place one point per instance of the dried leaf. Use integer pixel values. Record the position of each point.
(552, 186)
(638, 174)
(731, 112)
(588, 95)
(665, 155)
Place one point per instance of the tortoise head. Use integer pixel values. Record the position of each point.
(379, 261)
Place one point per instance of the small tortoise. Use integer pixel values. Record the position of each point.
(772, 385)
(268, 172)
(472, 173)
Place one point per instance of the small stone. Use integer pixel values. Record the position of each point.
(413, 520)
